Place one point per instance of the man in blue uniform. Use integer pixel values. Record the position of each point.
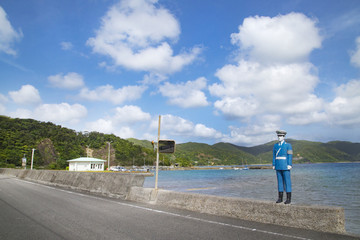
(282, 163)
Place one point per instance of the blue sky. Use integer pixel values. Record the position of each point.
(216, 71)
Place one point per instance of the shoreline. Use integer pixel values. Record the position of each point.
(250, 167)
(236, 167)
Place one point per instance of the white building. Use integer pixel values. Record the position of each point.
(86, 164)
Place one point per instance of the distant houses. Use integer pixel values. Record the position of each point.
(86, 164)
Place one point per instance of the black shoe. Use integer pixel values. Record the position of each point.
(280, 199)
(288, 198)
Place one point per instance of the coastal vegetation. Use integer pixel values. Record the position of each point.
(55, 145)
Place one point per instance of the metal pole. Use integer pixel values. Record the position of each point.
(32, 158)
(157, 156)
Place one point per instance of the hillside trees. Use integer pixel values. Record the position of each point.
(55, 144)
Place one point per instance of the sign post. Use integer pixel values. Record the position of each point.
(157, 156)
(23, 164)
(162, 146)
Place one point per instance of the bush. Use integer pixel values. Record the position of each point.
(52, 166)
(7, 165)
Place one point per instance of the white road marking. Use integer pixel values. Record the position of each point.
(169, 213)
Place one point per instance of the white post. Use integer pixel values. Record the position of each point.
(157, 156)
(32, 158)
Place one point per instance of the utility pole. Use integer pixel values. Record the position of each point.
(32, 158)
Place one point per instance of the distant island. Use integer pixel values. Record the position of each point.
(55, 145)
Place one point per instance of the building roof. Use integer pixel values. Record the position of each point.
(86, 159)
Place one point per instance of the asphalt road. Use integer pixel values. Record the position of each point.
(34, 211)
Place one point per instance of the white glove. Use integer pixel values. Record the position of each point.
(274, 167)
(289, 167)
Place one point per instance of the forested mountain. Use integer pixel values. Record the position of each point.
(229, 154)
(55, 144)
(309, 152)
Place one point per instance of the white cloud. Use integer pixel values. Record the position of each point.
(187, 94)
(130, 114)
(101, 125)
(355, 56)
(60, 113)
(69, 81)
(345, 108)
(116, 96)
(284, 38)
(153, 78)
(66, 45)
(176, 126)
(7, 34)
(237, 107)
(308, 118)
(135, 34)
(3, 98)
(272, 83)
(27, 95)
(21, 113)
(252, 134)
(2, 109)
(200, 130)
(123, 123)
(251, 88)
(125, 132)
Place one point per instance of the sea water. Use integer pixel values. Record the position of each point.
(332, 184)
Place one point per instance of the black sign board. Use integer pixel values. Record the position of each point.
(166, 146)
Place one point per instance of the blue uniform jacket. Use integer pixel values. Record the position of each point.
(282, 155)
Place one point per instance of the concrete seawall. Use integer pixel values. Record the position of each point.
(129, 187)
(319, 218)
(108, 184)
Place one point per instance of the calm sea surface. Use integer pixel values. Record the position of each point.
(332, 184)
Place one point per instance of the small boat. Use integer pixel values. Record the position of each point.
(244, 168)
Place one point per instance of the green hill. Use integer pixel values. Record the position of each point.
(229, 154)
(353, 149)
(55, 144)
(142, 143)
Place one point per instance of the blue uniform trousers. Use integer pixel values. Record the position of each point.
(283, 178)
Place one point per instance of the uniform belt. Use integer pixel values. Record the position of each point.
(281, 158)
